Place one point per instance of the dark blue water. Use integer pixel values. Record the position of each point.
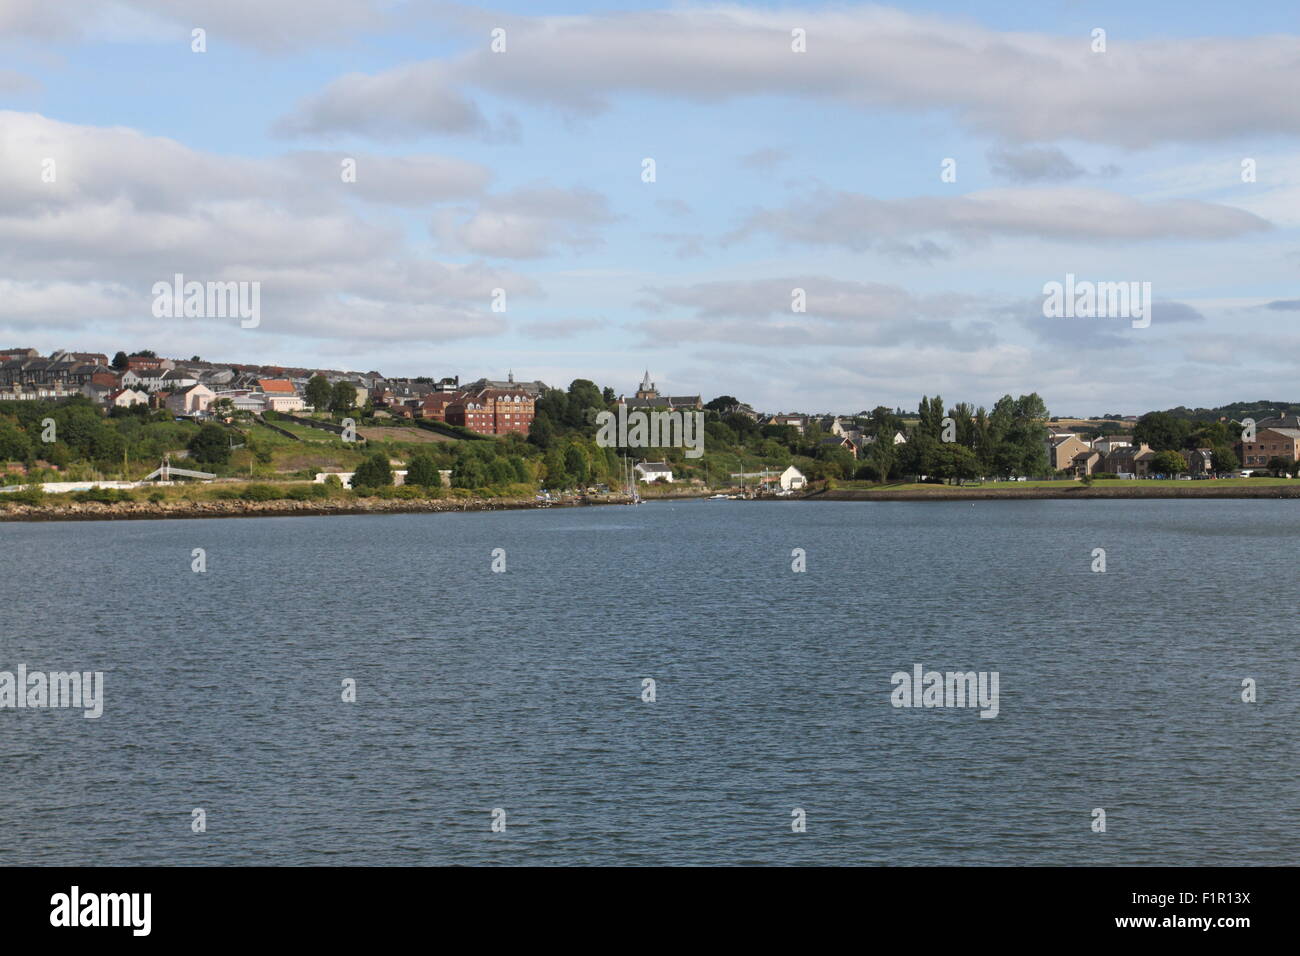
(522, 690)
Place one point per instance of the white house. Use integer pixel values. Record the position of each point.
(188, 401)
(126, 397)
(792, 479)
(899, 439)
(283, 403)
(143, 379)
(648, 471)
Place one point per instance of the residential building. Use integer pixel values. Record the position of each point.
(126, 398)
(1062, 450)
(1270, 443)
(143, 378)
(797, 422)
(1200, 461)
(648, 471)
(1087, 462)
(470, 413)
(1127, 460)
(190, 400)
(534, 388)
(792, 479)
(1108, 443)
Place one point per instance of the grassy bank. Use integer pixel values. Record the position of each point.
(1022, 490)
(246, 499)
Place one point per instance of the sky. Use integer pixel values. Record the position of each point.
(919, 172)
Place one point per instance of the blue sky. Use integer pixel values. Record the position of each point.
(774, 170)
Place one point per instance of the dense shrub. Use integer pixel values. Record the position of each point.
(307, 493)
(107, 496)
(261, 493)
(30, 495)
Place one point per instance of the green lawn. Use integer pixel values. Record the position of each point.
(307, 433)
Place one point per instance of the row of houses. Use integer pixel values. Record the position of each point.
(486, 406)
(189, 388)
(1274, 438)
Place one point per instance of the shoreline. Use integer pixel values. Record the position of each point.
(287, 508)
(1094, 493)
(280, 508)
(283, 507)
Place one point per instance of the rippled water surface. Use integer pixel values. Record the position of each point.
(522, 690)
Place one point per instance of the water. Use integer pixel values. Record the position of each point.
(522, 690)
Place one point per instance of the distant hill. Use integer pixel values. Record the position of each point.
(1236, 410)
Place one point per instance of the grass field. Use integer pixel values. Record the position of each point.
(1066, 486)
(414, 436)
(307, 433)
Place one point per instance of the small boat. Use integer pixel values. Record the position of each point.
(718, 497)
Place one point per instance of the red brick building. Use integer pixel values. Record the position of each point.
(490, 411)
(435, 406)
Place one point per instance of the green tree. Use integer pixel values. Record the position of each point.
(542, 431)
(469, 473)
(1168, 462)
(931, 415)
(881, 455)
(119, 361)
(955, 462)
(556, 477)
(211, 446)
(318, 393)
(422, 470)
(343, 397)
(1279, 466)
(1225, 459)
(575, 465)
(1162, 431)
(584, 401)
(14, 443)
(374, 472)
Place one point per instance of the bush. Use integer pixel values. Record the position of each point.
(374, 472)
(106, 496)
(30, 495)
(157, 497)
(307, 492)
(260, 493)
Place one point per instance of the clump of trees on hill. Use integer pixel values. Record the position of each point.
(76, 432)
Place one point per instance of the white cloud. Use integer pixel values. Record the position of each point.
(1018, 86)
(127, 210)
(855, 221)
(525, 223)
